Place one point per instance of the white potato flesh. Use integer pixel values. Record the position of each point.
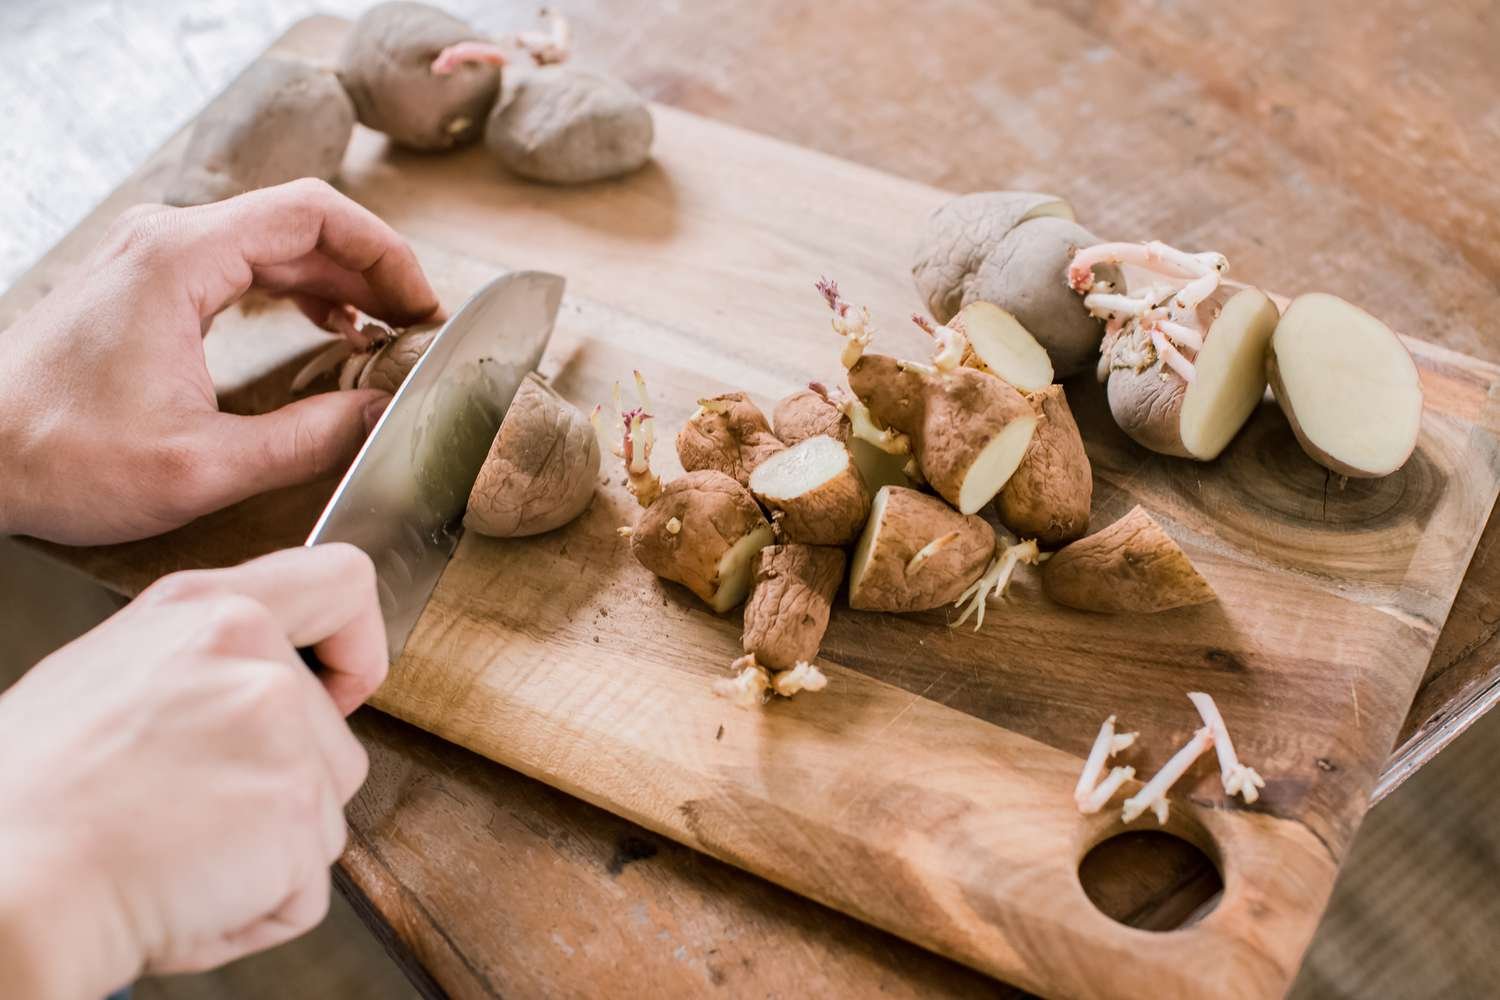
(1231, 374)
(1348, 384)
(878, 468)
(861, 561)
(734, 569)
(800, 469)
(995, 464)
(1005, 346)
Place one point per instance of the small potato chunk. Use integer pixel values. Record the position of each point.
(386, 66)
(389, 366)
(541, 469)
(570, 126)
(1003, 347)
(1130, 566)
(805, 414)
(789, 604)
(728, 433)
(815, 492)
(1347, 384)
(280, 120)
(962, 232)
(1049, 496)
(702, 532)
(916, 553)
(1162, 412)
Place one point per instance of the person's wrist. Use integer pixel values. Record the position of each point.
(16, 470)
(59, 934)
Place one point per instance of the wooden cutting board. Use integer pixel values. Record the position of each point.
(928, 790)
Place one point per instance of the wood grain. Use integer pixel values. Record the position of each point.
(1461, 305)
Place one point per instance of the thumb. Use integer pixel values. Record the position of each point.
(303, 441)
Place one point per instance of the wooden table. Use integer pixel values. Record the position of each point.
(1335, 144)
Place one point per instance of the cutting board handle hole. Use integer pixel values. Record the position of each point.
(1151, 880)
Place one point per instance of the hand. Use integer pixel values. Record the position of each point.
(172, 784)
(109, 428)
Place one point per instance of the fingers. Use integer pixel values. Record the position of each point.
(323, 597)
(267, 230)
(240, 456)
(299, 913)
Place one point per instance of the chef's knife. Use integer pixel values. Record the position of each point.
(403, 499)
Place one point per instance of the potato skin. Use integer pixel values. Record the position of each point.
(281, 120)
(734, 441)
(806, 414)
(1049, 495)
(385, 65)
(541, 469)
(950, 417)
(390, 365)
(961, 233)
(570, 126)
(1147, 404)
(1025, 276)
(714, 511)
(789, 604)
(1130, 566)
(908, 522)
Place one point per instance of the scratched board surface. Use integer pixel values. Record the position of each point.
(927, 790)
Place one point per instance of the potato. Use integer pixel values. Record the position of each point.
(789, 604)
(389, 365)
(807, 413)
(1048, 496)
(702, 532)
(728, 433)
(1130, 566)
(570, 126)
(280, 120)
(386, 66)
(998, 344)
(962, 232)
(1347, 384)
(1162, 412)
(969, 430)
(886, 573)
(541, 469)
(814, 492)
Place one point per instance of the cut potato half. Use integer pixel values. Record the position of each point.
(916, 553)
(1004, 346)
(995, 464)
(815, 491)
(1231, 374)
(734, 569)
(1347, 384)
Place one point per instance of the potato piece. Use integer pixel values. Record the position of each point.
(541, 469)
(969, 430)
(916, 553)
(789, 603)
(702, 532)
(1003, 347)
(1049, 495)
(814, 492)
(728, 433)
(1162, 412)
(962, 232)
(569, 126)
(386, 66)
(1348, 386)
(388, 367)
(1132, 565)
(280, 120)
(807, 413)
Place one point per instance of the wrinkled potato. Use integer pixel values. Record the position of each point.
(541, 470)
(280, 120)
(790, 600)
(702, 532)
(886, 573)
(386, 66)
(814, 491)
(570, 126)
(1130, 566)
(962, 232)
(389, 365)
(1048, 496)
(807, 414)
(727, 433)
(968, 429)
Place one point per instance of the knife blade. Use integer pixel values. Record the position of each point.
(402, 500)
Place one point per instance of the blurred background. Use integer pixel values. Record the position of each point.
(91, 88)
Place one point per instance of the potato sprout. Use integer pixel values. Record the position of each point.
(1091, 793)
(1153, 795)
(1237, 778)
(545, 48)
(638, 436)
(995, 579)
